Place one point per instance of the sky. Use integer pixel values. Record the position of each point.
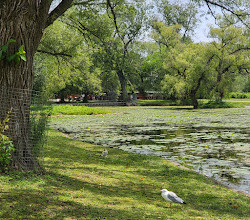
(54, 4)
(201, 31)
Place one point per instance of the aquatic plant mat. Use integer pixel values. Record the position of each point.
(214, 142)
(80, 184)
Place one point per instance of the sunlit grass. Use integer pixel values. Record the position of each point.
(80, 184)
(69, 110)
(77, 110)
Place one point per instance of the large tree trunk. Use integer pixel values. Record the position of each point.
(141, 88)
(23, 21)
(194, 100)
(123, 84)
(85, 98)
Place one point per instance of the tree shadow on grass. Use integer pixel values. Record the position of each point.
(47, 202)
(35, 204)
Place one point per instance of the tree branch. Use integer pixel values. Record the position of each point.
(114, 19)
(243, 48)
(83, 28)
(58, 11)
(202, 74)
(88, 2)
(211, 11)
(238, 15)
(79, 26)
(54, 54)
(223, 7)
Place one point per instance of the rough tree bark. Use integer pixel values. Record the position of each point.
(23, 21)
(123, 84)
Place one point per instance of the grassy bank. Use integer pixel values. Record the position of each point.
(79, 184)
(77, 110)
(69, 110)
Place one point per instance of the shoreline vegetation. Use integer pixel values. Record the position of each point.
(68, 109)
(203, 103)
(80, 184)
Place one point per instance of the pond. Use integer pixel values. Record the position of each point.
(214, 142)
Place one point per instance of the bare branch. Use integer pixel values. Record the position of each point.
(163, 43)
(222, 6)
(226, 17)
(81, 30)
(88, 2)
(238, 15)
(58, 11)
(211, 11)
(84, 28)
(54, 54)
(114, 19)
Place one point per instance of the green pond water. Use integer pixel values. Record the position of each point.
(213, 142)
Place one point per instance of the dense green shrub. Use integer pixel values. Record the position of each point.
(238, 95)
(39, 122)
(220, 104)
(6, 149)
(159, 102)
(6, 146)
(247, 86)
(39, 119)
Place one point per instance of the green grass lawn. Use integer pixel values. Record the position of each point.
(79, 184)
(77, 110)
(69, 110)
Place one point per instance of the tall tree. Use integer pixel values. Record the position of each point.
(24, 22)
(189, 66)
(113, 28)
(146, 67)
(66, 61)
(231, 49)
